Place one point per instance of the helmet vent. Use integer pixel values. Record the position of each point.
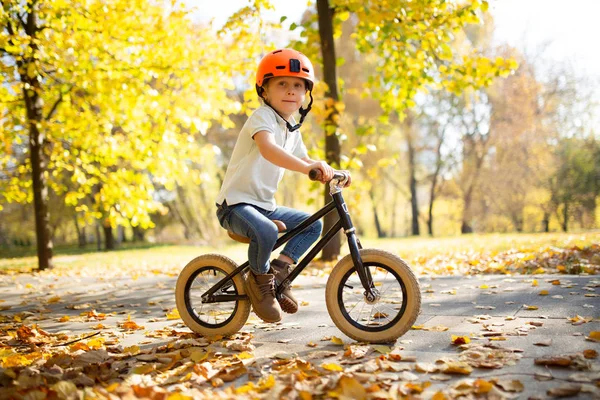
(277, 51)
(306, 70)
(280, 67)
(294, 65)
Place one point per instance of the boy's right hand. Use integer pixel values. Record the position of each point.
(326, 170)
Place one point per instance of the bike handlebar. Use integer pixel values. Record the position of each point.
(316, 174)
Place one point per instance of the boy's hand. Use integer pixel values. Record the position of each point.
(326, 170)
(349, 180)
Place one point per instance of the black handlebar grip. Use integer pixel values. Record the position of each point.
(315, 174)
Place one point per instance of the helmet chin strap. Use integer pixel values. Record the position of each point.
(303, 112)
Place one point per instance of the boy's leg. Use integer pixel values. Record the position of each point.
(250, 221)
(298, 245)
(292, 251)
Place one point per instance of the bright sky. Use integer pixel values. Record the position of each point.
(571, 28)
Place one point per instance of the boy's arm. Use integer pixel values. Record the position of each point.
(275, 154)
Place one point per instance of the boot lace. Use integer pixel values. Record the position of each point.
(267, 288)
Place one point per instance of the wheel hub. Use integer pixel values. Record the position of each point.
(372, 298)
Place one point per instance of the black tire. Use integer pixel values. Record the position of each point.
(199, 275)
(387, 319)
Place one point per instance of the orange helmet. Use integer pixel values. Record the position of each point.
(284, 62)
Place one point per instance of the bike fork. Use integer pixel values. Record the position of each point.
(371, 294)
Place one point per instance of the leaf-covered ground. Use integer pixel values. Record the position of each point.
(55, 345)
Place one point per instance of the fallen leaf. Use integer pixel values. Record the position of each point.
(590, 354)
(332, 367)
(566, 390)
(337, 340)
(173, 314)
(457, 340)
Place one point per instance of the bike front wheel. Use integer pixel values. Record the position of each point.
(210, 319)
(390, 315)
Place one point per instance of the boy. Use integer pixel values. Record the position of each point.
(268, 144)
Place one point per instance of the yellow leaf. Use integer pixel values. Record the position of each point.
(539, 271)
(482, 386)
(337, 340)
(96, 343)
(53, 300)
(112, 387)
(143, 369)
(304, 395)
(460, 340)
(132, 349)
(382, 349)
(351, 388)
(244, 355)
(594, 335)
(248, 387)
(179, 396)
(331, 367)
(544, 293)
(534, 283)
(266, 383)
(530, 308)
(484, 287)
(174, 314)
(64, 318)
(438, 396)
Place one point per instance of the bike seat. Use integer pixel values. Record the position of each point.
(243, 239)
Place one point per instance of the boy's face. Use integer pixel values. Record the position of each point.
(285, 94)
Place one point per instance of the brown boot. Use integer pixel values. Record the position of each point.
(261, 290)
(287, 301)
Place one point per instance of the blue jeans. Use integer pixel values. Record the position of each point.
(255, 223)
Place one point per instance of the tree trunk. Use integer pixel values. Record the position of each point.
(34, 104)
(98, 237)
(138, 234)
(546, 222)
(392, 232)
(434, 180)
(466, 224)
(414, 202)
(430, 212)
(380, 233)
(565, 221)
(81, 239)
(332, 144)
(109, 239)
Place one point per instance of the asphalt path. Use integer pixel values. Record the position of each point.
(532, 323)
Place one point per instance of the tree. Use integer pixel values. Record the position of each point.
(411, 40)
(112, 96)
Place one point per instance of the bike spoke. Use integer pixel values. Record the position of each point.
(375, 315)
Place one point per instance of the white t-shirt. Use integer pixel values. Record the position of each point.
(250, 178)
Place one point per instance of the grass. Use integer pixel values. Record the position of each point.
(170, 259)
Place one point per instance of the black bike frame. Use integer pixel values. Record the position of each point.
(344, 222)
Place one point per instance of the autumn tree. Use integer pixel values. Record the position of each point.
(111, 96)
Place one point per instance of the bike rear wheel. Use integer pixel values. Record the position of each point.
(387, 318)
(210, 319)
